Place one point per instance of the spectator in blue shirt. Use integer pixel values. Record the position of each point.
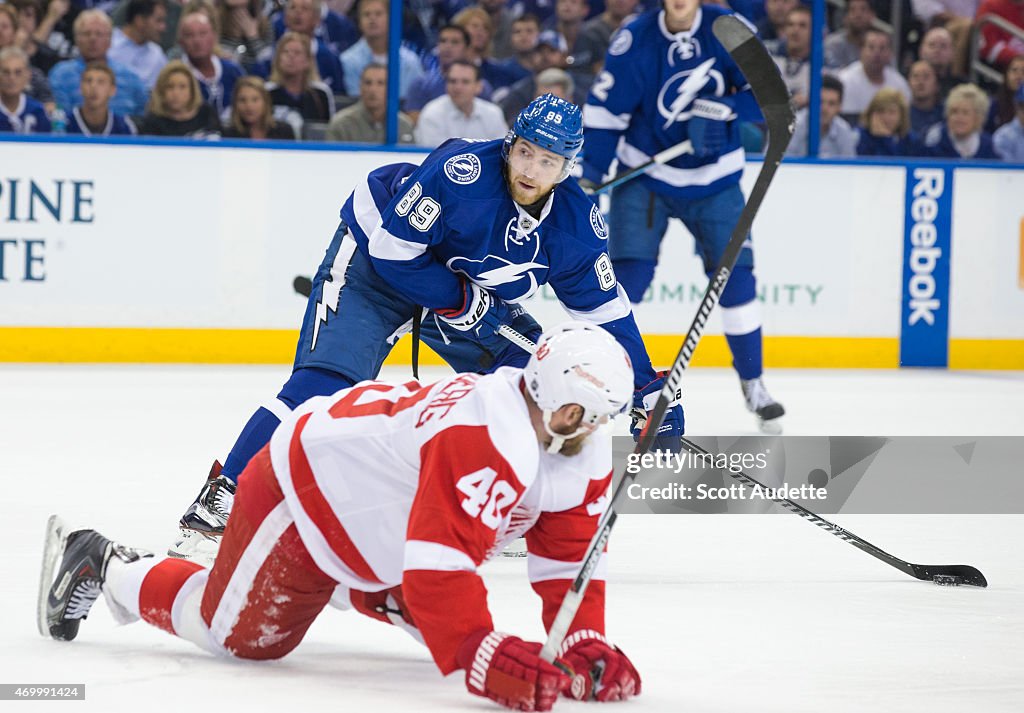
(523, 41)
(837, 138)
(1009, 138)
(961, 136)
(452, 42)
(373, 47)
(135, 44)
(19, 112)
(11, 35)
(93, 30)
(925, 101)
(216, 76)
(885, 125)
(93, 117)
(331, 28)
(303, 17)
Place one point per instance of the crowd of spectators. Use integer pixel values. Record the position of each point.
(882, 97)
(317, 69)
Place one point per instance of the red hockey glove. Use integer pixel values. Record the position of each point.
(510, 671)
(601, 671)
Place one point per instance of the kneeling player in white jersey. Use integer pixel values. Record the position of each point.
(392, 495)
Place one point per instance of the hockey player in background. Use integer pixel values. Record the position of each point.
(667, 79)
(468, 235)
(389, 496)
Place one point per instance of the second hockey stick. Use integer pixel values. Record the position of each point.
(658, 159)
(939, 573)
(773, 99)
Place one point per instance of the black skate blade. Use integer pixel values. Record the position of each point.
(53, 552)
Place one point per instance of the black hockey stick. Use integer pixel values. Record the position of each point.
(773, 98)
(939, 573)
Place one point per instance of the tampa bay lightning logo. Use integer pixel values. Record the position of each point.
(512, 275)
(513, 281)
(621, 43)
(464, 168)
(598, 224)
(678, 93)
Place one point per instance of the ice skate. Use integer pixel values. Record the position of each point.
(74, 569)
(769, 412)
(203, 523)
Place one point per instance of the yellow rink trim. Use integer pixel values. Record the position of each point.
(986, 354)
(277, 346)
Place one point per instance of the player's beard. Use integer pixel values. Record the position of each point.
(529, 201)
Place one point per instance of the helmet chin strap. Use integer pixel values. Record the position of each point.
(558, 439)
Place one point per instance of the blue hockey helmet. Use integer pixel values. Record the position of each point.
(551, 123)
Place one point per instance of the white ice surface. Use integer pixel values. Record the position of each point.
(720, 613)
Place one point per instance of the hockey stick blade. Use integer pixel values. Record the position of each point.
(763, 76)
(302, 285)
(765, 81)
(966, 573)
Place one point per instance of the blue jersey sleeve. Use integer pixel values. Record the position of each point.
(609, 109)
(586, 287)
(399, 246)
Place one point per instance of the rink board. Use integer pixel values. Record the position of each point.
(168, 252)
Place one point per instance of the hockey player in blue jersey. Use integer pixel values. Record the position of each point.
(462, 240)
(666, 78)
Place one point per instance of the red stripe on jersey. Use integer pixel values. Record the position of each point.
(262, 493)
(447, 607)
(566, 535)
(466, 489)
(319, 510)
(346, 407)
(590, 614)
(160, 588)
(465, 484)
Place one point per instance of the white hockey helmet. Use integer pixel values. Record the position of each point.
(579, 363)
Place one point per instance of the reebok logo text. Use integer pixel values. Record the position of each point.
(924, 255)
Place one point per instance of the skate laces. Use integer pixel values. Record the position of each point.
(224, 498)
(221, 497)
(82, 598)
